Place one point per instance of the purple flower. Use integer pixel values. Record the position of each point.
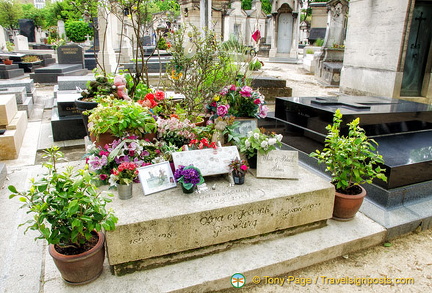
(97, 163)
(222, 110)
(246, 91)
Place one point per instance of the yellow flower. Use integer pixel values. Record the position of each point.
(175, 75)
(216, 98)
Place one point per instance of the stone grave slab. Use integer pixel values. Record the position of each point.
(403, 130)
(67, 128)
(19, 92)
(169, 222)
(3, 173)
(66, 104)
(8, 109)
(12, 139)
(71, 82)
(51, 73)
(10, 71)
(27, 83)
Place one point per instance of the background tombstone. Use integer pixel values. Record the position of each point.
(70, 54)
(61, 28)
(21, 42)
(27, 28)
(3, 39)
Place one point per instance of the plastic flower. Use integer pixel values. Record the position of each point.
(246, 91)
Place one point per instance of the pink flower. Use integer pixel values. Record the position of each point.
(263, 110)
(232, 87)
(257, 101)
(246, 91)
(244, 167)
(222, 110)
(103, 177)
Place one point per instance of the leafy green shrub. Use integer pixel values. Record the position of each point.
(162, 44)
(309, 51)
(351, 159)
(255, 65)
(319, 42)
(77, 31)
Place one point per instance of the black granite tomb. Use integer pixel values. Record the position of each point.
(402, 129)
(27, 28)
(10, 71)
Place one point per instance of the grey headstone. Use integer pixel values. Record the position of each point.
(70, 54)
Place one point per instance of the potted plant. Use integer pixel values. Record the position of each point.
(118, 118)
(352, 160)
(122, 177)
(7, 61)
(238, 169)
(70, 214)
(258, 141)
(189, 177)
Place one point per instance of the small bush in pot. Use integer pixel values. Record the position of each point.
(68, 212)
(351, 159)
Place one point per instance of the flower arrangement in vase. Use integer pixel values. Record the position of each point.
(238, 168)
(189, 177)
(122, 177)
(258, 141)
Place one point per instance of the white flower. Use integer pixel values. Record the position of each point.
(279, 137)
(247, 143)
(272, 141)
(112, 180)
(249, 134)
(264, 144)
(256, 135)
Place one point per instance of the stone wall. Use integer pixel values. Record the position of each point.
(374, 47)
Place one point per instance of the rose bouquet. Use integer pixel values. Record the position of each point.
(176, 131)
(239, 102)
(189, 177)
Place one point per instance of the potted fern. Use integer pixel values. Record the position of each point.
(70, 214)
(352, 160)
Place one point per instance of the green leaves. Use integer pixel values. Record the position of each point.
(351, 159)
(66, 205)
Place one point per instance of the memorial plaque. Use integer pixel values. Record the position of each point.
(70, 54)
(278, 164)
(209, 161)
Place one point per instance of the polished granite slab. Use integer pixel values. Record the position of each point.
(402, 129)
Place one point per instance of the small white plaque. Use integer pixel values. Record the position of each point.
(278, 164)
(209, 161)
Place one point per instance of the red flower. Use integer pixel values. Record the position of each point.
(160, 95)
(257, 101)
(150, 96)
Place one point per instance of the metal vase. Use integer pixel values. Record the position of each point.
(124, 191)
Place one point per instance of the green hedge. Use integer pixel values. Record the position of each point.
(76, 31)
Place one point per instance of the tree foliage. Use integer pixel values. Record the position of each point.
(10, 12)
(265, 4)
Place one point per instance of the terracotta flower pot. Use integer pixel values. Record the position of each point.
(80, 268)
(346, 206)
(103, 139)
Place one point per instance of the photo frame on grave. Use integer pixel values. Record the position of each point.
(209, 161)
(245, 125)
(156, 177)
(280, 164)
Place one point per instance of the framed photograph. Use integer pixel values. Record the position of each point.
(245, 125)
(156, 177)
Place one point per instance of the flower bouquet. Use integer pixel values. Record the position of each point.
(102, 160)
(238, 168)
(257, 141)
(239, 102)
(189, 177)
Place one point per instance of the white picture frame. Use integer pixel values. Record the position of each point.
(156, 177)
(281, 164)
